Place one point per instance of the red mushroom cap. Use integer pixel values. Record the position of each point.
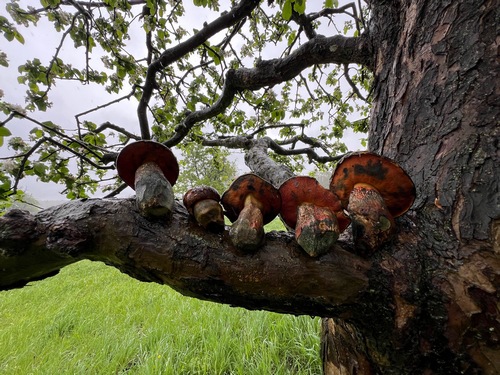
(305, 189)
(138, 153)
(390, 180)
(199, 193)
(233, 200)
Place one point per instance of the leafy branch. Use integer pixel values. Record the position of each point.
(234, 16)
(320, 50)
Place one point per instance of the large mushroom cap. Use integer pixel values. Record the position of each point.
(199, 193)
(391, 181)
(305, 189)
(138, 153)
(233, 200)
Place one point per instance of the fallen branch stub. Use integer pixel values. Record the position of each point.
(374, 190)
(151, 169)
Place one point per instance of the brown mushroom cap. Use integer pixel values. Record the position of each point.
(138, 153)
(390, 180)
(304, 189)
(197, 194)
(233, 199)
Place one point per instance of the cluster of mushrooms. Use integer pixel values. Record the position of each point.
(366, 190)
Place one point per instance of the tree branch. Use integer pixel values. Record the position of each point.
(237, 13)
(320, 50)
(351, 83)
(109, 125)
(278, 277)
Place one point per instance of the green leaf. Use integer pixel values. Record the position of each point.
(121, 72)
(39, 169)
(50, 124)
(299, 6)
(37, 132)
(287, 10)
(9, 35)
(33, 87)
(292, 37)
(4, 132)
(4, 187)
(331, 4)
(191, 106)
(19, 37)
(214, 55)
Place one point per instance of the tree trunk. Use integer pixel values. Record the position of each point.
(436, 112)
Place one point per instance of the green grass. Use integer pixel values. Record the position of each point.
(276, 224)
(91, 319)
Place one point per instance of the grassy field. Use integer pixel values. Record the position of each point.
(91, 319)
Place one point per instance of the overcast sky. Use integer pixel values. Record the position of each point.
(70, 99)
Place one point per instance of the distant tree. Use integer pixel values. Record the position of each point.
(201, 165)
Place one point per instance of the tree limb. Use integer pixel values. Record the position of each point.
(278, 277)
(237, 13)
(320, 50)
(109, 125)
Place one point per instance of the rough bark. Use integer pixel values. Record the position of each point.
(178, 252)
(435, 111)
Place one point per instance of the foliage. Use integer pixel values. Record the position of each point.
(92, 319)
(204, 166)
(175, 79)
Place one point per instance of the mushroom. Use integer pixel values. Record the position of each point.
(250, 203)
(314, 212)
(202, 202)
(374, 190)
(150, 168)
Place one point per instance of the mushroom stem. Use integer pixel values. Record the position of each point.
(317, 229)
(372, 224)
(208, 213)
(154, 194)
(247, 232)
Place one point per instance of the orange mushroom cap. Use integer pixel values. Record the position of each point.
(138, 153)
(233, 199)
(304, 189)
(388, 178)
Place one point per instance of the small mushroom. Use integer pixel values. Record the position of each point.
(202, 202)
(151, 169)
(250, 203)
(314, 212)
(374, 190)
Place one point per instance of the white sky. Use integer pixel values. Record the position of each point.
(70, 99)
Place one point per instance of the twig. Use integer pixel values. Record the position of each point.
(351, 83)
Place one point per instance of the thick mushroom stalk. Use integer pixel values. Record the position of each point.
(374, 190)
(154, 194)
(202, 203)
(250, 203)
(151, 169)
(247, 232)
(372, 223)
(314, 212)
(317, 229)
